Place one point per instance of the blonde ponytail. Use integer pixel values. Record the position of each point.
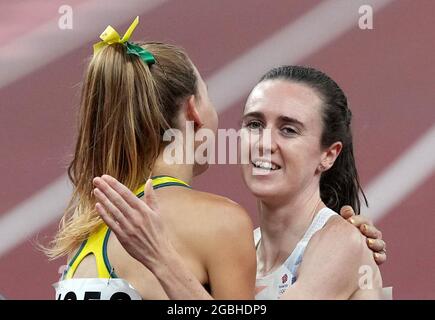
(125, 107)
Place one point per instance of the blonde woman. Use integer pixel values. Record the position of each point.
(132, 93)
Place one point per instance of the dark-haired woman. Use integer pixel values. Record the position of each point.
(304, 247)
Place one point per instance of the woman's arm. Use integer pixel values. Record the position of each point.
(139, 229)
(229, 254)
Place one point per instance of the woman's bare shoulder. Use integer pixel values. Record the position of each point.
(338, 235)
(331, 265)
(340, 239)
(219, 210)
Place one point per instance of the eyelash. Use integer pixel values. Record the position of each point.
(250, 123)
(292, 131)
(288, 131)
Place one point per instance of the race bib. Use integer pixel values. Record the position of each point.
(95, 289)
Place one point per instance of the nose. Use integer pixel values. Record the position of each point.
(266, 144)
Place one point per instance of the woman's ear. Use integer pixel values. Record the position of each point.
(192, 113)
(330, 155)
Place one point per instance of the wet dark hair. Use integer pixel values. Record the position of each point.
(340, 184)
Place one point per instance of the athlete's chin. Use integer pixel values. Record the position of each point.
(263, 191)
(264, 195)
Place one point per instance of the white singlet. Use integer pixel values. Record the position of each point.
(271, 286)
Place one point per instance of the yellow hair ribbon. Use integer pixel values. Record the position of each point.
(110, 36)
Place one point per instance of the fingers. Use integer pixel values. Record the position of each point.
(370, 231)
(377, 245)
(112, 196)
(121, 202)
(109, 206)
(380, 257)
(150, 195)
(346, 212)
(125, 193)
(110, 222)
(358, 221)
(380, 250)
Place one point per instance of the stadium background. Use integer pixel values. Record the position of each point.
(387, 73)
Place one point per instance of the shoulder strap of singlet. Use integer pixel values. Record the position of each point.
(93, 245)
(318, 223)
(257, 236)
(160, 182)
(96, 243)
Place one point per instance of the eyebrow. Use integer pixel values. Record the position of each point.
(291, 121)
(253, 115)
(284, 119)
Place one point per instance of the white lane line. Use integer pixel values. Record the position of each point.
(305, 36)
(47, 42)
(33, 214)
(402, 177)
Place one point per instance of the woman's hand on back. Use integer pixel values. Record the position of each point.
(368, 229)
(136, 223)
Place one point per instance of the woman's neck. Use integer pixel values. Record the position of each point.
(183, 172)
(284, 225)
